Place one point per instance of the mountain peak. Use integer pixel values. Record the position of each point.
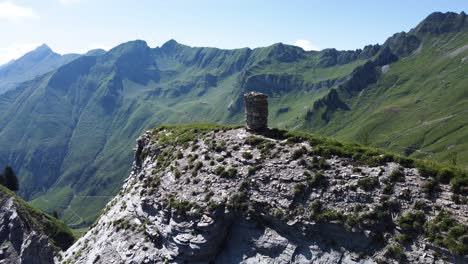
(171, 42)
(440, 23)
(95, 52)
(35, 56)
(286, 53)
(170, 45)
(129, 47)
(43, 47)
(131, 44)
(41, 51)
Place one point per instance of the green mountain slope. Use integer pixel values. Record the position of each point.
(32, 64)
(416, 105)
(72, 128)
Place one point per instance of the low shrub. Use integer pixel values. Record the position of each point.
(430, 187)
(396, 252)
(445, 176)
(232, 172)
(297, 153)
(299, 188)
(318, 180)
(239, 201)
(446, 232)
(328, 215)
(460, 184)
(412, 223)
(368, 184)
(397, 175)
(180, 206)
(388, 189)
(247, 155)
(315, 206)
(177, 174)
(198, 166)
(403, 238)
(251, 170)
(219, 170)
(254, 140)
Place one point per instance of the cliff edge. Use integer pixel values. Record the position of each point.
(217, 194)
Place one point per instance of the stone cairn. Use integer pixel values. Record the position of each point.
(256, 111)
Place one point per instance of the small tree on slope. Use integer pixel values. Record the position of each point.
(2, 180)
(10, 179)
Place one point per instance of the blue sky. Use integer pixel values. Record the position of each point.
(79, 25)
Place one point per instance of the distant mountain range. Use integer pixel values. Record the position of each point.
(32, 64)
(417, 105)
(67, 122)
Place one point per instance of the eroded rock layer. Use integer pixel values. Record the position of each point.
(27, 235)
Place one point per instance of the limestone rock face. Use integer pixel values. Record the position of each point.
(256, 111)
(18, 242)
(231, 196)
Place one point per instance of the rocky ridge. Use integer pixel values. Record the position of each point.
(28, 236)
(214, 194)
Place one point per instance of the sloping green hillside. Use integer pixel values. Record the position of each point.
(416, 106)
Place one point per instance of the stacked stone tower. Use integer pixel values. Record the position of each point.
(256, 111)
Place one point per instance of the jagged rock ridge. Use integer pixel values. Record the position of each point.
(213, 194)
(28, 236)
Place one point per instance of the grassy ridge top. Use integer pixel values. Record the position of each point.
(203, 145)
(438, 173)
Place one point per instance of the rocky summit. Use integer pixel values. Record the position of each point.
(217, 194)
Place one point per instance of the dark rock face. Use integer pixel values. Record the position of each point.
(256, 111)
(385, 57)
(402, 44)
(332, 57)
(440, 23)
